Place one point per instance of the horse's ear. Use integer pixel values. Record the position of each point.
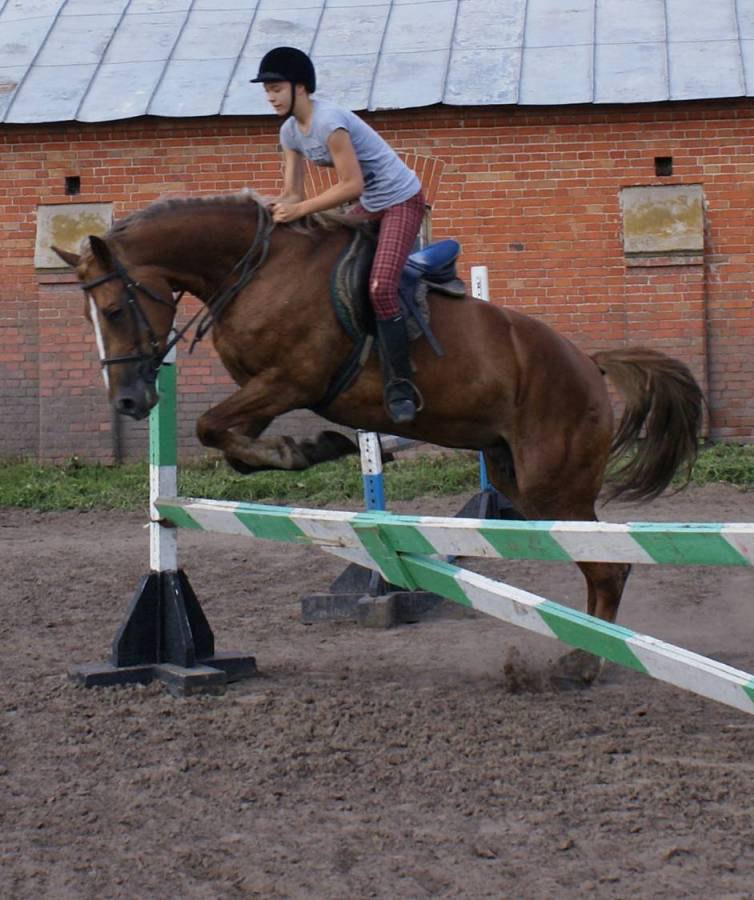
(72, 259)
(101, 251)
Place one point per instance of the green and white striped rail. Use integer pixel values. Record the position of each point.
(399, 548)
(700, 544)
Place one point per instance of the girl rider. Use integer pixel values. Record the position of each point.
(369, 172)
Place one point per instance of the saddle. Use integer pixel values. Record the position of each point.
(431, 269)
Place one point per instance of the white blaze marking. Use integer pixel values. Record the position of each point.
(100, 342)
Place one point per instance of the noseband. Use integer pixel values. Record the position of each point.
(245, 269)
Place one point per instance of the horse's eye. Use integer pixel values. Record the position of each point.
(112, 313)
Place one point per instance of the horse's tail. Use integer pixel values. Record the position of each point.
(664, 403)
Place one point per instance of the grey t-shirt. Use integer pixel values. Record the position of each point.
(387, 179)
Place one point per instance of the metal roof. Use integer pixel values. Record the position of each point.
(100, 60)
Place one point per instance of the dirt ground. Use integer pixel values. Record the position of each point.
(364, 763)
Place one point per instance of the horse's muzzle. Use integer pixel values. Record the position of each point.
(135, 399)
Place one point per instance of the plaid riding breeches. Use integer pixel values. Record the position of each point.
(399, 226)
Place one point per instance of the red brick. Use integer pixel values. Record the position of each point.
(548, 180)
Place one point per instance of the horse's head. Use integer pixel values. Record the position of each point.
(131, 310)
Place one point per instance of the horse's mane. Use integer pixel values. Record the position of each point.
(244, 203)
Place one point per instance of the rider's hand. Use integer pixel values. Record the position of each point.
(282, 211)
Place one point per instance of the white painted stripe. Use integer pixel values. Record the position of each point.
(614, 544)
(369, 450)
(689, 657)
(94, 313)
(450, 540)
(741, 538)
(163, 541)
(327, 527)
(692, 672)
(444, 522)
(503, 601)
(219, 517)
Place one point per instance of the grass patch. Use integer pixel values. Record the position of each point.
(81, 486)
(74, 485)
(728, 463)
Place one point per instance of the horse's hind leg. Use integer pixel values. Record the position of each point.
(543, 485)
(605, 584)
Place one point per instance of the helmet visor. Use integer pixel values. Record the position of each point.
(264, 77)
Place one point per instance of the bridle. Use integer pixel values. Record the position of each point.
(129, 302)
(151, 360)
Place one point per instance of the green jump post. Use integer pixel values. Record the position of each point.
(163, 468)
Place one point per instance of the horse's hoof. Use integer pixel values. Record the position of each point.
(326, 446)
(339, 443)
(576, 670)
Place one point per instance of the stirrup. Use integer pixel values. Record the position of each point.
(401, 412)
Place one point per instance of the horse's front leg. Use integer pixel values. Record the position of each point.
(235, 425)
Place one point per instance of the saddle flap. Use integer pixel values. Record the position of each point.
(432, 268)
(349, 286)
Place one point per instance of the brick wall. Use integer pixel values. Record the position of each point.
(531, 193)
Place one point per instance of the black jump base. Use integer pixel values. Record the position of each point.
(165, 636)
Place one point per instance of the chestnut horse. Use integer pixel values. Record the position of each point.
(507, 385)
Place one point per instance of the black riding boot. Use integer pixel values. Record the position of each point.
(400, 394)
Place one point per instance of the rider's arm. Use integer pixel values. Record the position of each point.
(293, 177)
(350, 183)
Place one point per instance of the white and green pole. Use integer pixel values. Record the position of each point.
(399, 547)
(163, 472)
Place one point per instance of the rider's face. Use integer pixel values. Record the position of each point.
(279, 96)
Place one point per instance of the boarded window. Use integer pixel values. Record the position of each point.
(66, 225)
(663, 220)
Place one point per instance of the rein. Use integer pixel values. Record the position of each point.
(245, 268)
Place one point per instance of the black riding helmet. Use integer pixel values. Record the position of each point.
(287, 64)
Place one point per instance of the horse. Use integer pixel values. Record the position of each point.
(507, 384)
